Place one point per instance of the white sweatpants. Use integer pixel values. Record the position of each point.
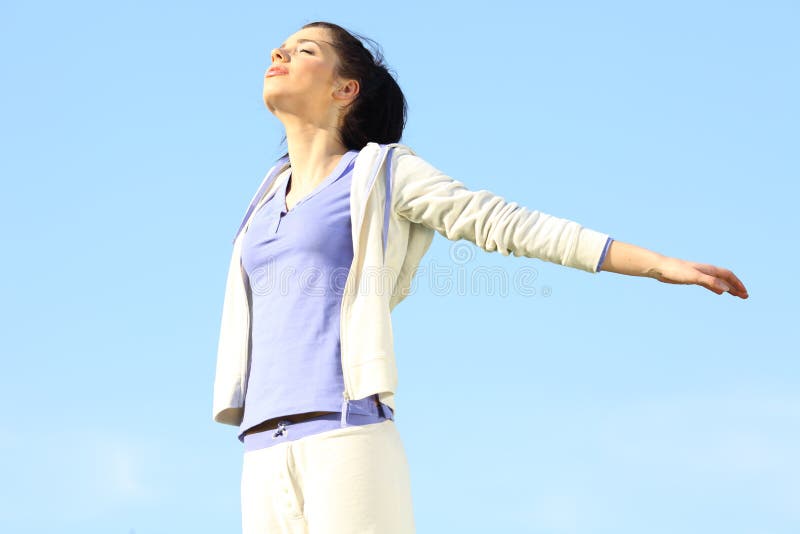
(351, 480)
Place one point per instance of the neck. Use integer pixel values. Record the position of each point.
(314, 151)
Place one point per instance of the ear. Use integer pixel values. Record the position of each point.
(346, 90)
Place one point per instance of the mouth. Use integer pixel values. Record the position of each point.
(275, 71)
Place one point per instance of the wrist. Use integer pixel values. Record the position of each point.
(628, 259)
(656, 266)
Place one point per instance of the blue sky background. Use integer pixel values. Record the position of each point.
(133, 136)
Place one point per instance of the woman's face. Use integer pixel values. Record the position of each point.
(301, 79)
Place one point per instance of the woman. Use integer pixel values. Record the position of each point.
(327, 248)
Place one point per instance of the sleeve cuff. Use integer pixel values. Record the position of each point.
(603, 255)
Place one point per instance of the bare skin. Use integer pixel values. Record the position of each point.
(625, 258)
(310, 99)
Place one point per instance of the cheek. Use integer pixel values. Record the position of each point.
(318, 75)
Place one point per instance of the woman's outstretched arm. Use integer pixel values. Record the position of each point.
(625, 258)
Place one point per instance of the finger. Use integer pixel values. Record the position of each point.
(714, 284)
(738, 283)
(737, 287)
(707, 268)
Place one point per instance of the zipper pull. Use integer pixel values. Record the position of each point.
(281, 429)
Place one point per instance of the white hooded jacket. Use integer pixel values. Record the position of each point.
(409, 201)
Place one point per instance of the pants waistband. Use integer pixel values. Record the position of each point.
(288, 431)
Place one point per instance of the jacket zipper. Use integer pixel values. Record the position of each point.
(347, 389)
(246, 350)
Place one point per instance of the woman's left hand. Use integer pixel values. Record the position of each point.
(717, 279)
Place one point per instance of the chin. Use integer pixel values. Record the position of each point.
(283, 102)
(268, 101)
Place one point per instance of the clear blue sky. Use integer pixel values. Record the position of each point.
(133, 136)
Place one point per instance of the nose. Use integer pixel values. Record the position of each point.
(278, 54)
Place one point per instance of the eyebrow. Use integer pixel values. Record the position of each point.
(304, 41)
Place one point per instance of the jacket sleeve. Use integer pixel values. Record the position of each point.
(424, 195)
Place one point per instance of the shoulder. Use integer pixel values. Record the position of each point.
(373, 149)
(399, 159)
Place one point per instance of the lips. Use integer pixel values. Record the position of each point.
(276, 71)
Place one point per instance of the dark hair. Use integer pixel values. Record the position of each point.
(378, 113)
